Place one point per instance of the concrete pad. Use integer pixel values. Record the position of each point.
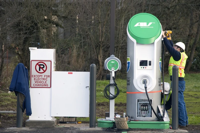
(82, 127)
(41, 123)
(18, 129)
(177, 131)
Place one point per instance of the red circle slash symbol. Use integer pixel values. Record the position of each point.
(41, 67)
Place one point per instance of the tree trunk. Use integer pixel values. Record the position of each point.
(2, 60)
(49, 32)
(100, 60)
(190, 31)
(193, 48)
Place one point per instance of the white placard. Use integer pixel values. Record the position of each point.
(40, 73)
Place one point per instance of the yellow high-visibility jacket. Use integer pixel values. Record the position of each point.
(181, 65)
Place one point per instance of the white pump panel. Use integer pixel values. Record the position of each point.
(145, 65)
(70, 94)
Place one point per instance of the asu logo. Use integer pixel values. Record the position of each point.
(144, 24)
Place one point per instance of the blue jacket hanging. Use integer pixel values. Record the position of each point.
(20, 83)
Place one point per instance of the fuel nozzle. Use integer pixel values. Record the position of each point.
(168, 34)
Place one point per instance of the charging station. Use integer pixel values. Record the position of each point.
(144, 46)
(112, 64)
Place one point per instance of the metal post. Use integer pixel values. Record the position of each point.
(19, 112)
(92, 95)
(112, 28)
(175, 97)
(112, 102)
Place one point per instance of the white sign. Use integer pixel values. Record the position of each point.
(40, 74)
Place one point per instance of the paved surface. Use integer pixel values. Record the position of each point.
(84, 128)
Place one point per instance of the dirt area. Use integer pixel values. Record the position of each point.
(9, 120)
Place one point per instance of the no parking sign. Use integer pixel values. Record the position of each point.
(40, 74)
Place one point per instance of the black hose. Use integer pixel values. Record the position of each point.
(145, 86)
(107, 93)
(163, 55)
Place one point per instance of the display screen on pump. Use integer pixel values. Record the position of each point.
(143, 63)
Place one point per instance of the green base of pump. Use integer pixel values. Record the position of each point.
(105, 123)
(149, 124)
(136, 124)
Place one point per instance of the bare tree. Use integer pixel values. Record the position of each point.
(80, 30)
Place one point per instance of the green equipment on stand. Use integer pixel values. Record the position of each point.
(112, 64)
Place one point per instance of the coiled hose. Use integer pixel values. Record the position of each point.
(107, 93)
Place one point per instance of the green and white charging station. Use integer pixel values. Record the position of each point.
(144, 43)
(112, 64)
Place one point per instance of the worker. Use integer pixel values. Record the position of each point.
(178, 58)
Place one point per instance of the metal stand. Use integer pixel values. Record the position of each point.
(112, 102)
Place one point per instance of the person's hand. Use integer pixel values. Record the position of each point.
(163, 34)
(170, 36)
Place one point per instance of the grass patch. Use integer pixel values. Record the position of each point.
(192, 102)
(192, 82)
(192, 98)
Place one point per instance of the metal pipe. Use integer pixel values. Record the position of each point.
(112, 28)
(19, 112)
(175, 97)
(7, 112)
(112, 101)
(92, 95)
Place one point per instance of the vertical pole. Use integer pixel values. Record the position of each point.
(112, 102)
(112, 27)
(92, 95)
(19, 112)
(175, 97)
